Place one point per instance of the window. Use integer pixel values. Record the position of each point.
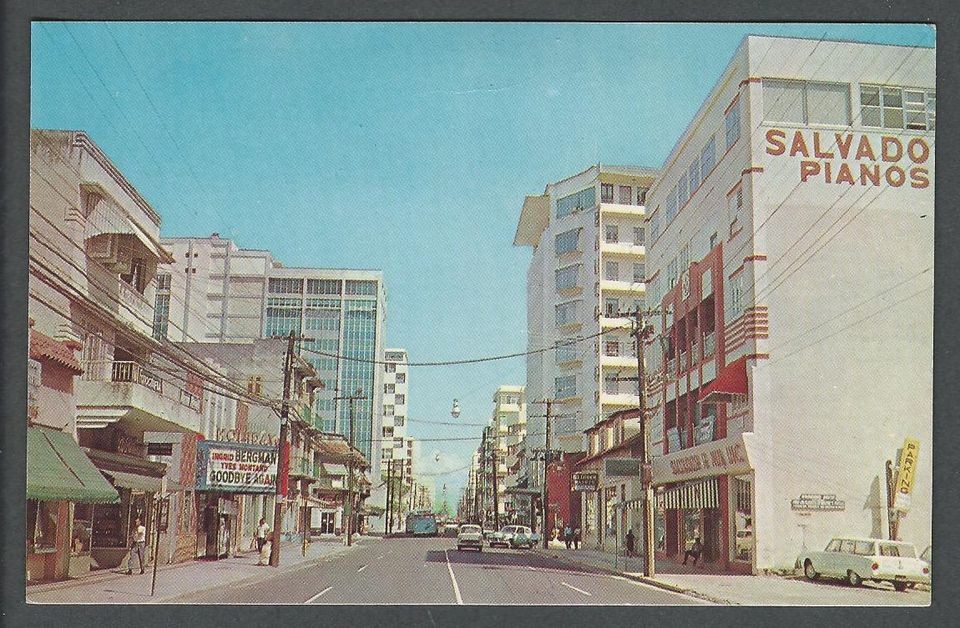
(42, 524)
(566, 386)
(163, 281)
(683, 192)
(361, 288)
(566, 351)
(389, 389)
(611, 233)
(388, 410)
(654, 227)
(399, 420)
(731, 123)
(398, 443)
(803, 102)
(684, 259)
(639, 272)
(833, 546)
(606, 192)
(255, 385)
(390, 367)
(285, 286)
(708, 158)
(783, 101)
(161, 315)
(136, 278)
(611, 271)
(638, 233)
(736, 295)
(387, 454)
(401, 399)
(611, 307)
(693, 175)
(641, 196)
(625, 193)
(324, 286)
(611, 348)
(567, 242)
(610, 386)
(584, 199)
(743, 518)
(672, 274)
(671, 204)
(401, 378)
(566, 313)
(388, 432)
(568, 277)
(734, 208)
(894, 108)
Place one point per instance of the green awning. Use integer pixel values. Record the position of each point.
(137, 482)
(58, 470)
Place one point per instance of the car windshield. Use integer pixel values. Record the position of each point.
(470, 529)
(863, 548)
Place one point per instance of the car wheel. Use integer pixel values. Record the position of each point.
(854, 579)
(809, 571)
(459, 549)
(900, 586)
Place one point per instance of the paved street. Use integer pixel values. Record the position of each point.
(433, 571)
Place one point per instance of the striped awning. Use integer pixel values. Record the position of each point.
(632, 504)
(692, 496)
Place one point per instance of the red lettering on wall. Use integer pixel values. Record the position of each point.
(890, 148)
(919, 178)
(798, 145)
(864, 149)
(844, 144)
(775, 145)
(895, 176)
(871, 173)
(918, 157)
(808, 169)
(844, 175)
(816, 148)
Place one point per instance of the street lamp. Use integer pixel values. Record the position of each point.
(455, 410)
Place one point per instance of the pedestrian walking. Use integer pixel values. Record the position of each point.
(631, 542)
(567, 536)
(693, 552)
(263, 531)
(576, 539)
(138, 546)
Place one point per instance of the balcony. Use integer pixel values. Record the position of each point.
(609, 207)
(611, 322)
(619, 361)
(303, 467)
(623, 248)
(615, 285)
(134, 309)
(619, 398)
(111, 391)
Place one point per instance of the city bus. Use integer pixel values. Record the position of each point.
(422, 524)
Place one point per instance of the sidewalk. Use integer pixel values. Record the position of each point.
(736, 589)
(115, 587)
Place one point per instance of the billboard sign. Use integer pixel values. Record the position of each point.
(236, 467)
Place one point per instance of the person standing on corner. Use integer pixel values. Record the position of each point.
(263, 532)
(138, 546)
(631, 542)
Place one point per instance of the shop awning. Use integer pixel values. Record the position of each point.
(145, 483)
(732, 380)
(692, 496)
(57, 469)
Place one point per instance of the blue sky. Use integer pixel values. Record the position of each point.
(403, 147)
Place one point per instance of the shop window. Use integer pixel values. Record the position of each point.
(42, 525)
(743, 518)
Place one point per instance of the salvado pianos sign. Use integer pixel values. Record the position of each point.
(854, 158)
(236, 467)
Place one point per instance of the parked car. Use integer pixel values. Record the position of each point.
(858, 559)
(470, 535)
(514, 537)
(488, 533)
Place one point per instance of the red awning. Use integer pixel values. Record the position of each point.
(732, 380)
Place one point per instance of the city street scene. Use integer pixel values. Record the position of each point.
(480, 314)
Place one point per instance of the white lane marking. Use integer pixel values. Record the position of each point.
(361, 569)
(314, 598)
(456, 588)
(531, 568)
(570, 586)
(380, 556)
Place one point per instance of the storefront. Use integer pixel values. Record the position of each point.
(226, 472)
(60, 479)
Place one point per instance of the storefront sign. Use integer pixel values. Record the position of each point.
(854, 158)
(586, 481)
(621, 467)
(906, 469)
(159, 449)
(808, 501)
(236, 468)
(254, 438)
(717, 458)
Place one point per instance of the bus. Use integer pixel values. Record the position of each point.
(422, 524)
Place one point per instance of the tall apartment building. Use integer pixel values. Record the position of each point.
(510, 417)
(395, 400)
(588, 267)
(234, 294)
(791, 238)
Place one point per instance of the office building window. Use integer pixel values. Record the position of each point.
(579, 201)
(566, 351)
(390, 367)
(708, 158)
(655, 227)
(611, 271)
(611, 233)
(401, 378)
(641, 196)
(566, 313)
(683, 192)
(285, 286)
(567, 277)
(161, 315)
(324, 286)
(567, 242)
(671, 205)
(731, 122)
(896, 108)
(638, 233)
(389, 389)
(639, 272)
(624, 194)
(399, 420)
(611, 307)
(565, 386)
(606, 192)
(400, 399)
(734, 208)
(388, 410)
(804, 102)
(361, 288)
(693, 174)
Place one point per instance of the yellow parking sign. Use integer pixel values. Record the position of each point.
(906, 470)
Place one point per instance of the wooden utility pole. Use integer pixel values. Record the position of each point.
(640, 331)
(545, 505)
(348, 507)
(282, 463)
(496, 472)
(388, 524)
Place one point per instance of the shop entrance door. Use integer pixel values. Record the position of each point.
(326, 522)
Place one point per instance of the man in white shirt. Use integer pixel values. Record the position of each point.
(138, 546)
(263, 533)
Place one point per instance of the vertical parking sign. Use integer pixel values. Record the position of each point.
(906, 469)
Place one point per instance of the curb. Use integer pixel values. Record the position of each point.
(641, 579)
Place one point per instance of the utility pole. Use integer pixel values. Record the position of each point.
(496, 472)
(348, 509)
(402, 469)
(388, 524)
(282, 463)
(545, 504)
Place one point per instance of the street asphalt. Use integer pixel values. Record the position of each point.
(433, 571)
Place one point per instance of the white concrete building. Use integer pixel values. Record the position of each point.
(791, 237)
(588, 266)
(233, 294)
(510, 417)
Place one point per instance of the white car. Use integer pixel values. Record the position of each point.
(858, 559)
(470, 536)
(513, 536)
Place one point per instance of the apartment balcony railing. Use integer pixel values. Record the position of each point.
(134, 307)
(121, 371)
(709, 344)
(695, 351)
